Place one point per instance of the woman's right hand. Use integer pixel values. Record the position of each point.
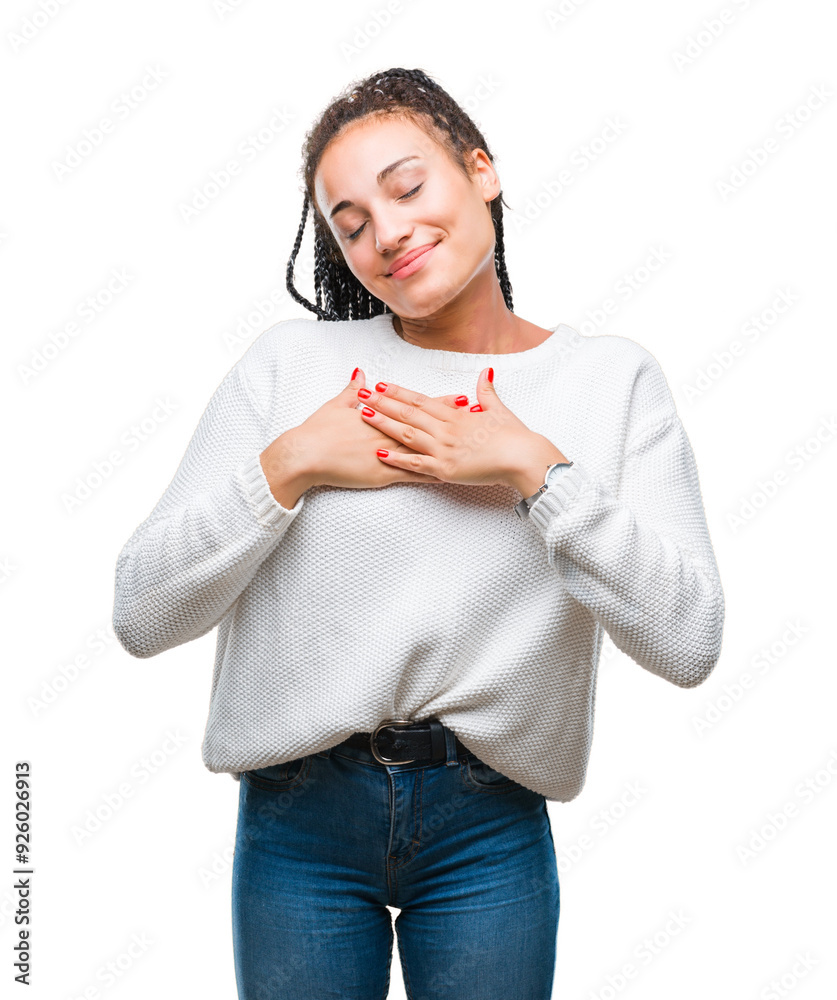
(335, 446)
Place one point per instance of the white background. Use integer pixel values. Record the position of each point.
(541, 80)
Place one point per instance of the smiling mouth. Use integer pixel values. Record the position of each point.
(406, 266)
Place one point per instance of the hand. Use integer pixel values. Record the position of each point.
(333, 447)
(484, 445)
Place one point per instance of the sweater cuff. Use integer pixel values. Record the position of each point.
(269, 512)
(560, 496)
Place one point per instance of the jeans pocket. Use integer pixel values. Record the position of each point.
(479, 775)
(278, 777)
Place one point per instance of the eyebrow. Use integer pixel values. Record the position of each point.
(382, 176)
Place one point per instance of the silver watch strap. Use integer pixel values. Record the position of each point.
(522, 508)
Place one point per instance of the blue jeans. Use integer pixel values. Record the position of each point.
(326, 842)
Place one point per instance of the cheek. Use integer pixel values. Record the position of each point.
(360, 262)
(467, 222)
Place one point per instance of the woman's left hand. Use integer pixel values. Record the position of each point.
(483, 445)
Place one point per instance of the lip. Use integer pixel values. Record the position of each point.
(403, 263)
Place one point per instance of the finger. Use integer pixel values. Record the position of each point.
(405, 431)
(399, 456)
(399, 394)
(411, 462)
(412, 410)
(357, 381)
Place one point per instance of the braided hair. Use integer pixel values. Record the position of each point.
(409, 93)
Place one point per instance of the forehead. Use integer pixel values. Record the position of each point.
(354, 158)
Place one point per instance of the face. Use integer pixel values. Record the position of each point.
(379, 213)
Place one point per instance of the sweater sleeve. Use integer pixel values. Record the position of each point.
(642, 560)
(187, 563)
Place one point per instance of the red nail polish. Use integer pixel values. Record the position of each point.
(476, 409)
(367, 412)
(354, 374)
(381, 387)
(461, 400)
(490, 374)
(364, 393)
(382, 452)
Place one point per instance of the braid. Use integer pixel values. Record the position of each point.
(289, 281)
(500, 253)
(339, 295)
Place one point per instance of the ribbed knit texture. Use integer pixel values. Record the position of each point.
(419, 600)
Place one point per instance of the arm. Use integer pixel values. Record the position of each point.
(642, 561)
(188, 562)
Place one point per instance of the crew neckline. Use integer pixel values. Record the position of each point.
(463, 361)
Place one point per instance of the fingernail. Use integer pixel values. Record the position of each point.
(381, 387)
(367, 412)
(490, 374)
(364, 393)
(382, 452)
(461, 400)
(476, 409)
(354, 374)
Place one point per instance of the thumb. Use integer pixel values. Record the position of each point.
(486, 393)
(357, 381)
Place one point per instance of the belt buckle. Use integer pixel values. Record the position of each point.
(384, 725)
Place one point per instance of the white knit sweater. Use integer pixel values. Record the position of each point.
(419, 600)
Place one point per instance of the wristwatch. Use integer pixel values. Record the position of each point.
(553, 472)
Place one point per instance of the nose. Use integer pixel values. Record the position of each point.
(391, 231)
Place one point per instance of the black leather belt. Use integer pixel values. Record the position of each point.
(399, 741)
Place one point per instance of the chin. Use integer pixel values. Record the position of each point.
(425, 305)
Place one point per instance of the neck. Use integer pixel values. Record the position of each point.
(481, 325)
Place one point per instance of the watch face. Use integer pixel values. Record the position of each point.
(555, 472)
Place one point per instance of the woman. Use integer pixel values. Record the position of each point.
(412, 569)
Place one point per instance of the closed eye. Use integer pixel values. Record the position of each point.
(409, 194)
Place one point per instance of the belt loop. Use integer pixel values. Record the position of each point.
(438, 743)
(450, 746)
